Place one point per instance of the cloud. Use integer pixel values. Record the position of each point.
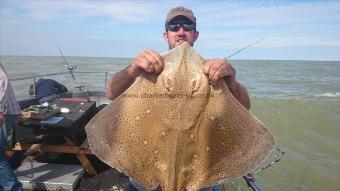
(222, 24)
(241, 13)
(299, 42)
(230, 13)
(118, 11)
(211, 14)
(215, 43)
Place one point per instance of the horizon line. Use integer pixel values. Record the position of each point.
(1, 55)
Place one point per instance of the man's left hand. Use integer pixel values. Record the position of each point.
(216, 69)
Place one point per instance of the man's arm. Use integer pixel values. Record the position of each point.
(120, 82)
(216, 69)
(239, 92)
(3, 88)
(148, 61)
(2, 119)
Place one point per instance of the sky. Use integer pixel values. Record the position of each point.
(294, 30)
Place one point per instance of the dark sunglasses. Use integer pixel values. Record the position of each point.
(176, 27)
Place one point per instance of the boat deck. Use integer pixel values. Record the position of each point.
(47, 176)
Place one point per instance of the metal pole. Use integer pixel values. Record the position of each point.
(34, 84)
(105, 80)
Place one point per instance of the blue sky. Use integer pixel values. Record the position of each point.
(295, 30)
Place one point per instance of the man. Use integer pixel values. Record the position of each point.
(180, 26)
(9, 111)
(178, 23)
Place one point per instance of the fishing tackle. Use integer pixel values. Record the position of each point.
(69, 68)
(250, 178)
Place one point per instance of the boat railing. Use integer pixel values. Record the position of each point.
(35, 77)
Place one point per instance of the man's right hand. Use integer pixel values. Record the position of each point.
(147, 61)
(2, 118)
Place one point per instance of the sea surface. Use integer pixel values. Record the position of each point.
(299, 101)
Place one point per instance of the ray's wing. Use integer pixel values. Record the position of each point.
(125, 134)
(231, 141)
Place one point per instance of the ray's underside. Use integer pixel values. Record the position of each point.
(177, 131)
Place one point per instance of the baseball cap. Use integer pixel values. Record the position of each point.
(180, 11)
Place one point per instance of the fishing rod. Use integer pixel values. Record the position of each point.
(250, 178)
(277, 157)
(69, 68)
(261, 39)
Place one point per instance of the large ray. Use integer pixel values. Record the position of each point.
(178, 131)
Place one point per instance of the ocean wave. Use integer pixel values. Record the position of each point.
(327, 94)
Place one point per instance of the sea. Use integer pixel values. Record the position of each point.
(299, 101)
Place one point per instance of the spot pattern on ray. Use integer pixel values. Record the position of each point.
(178, 131)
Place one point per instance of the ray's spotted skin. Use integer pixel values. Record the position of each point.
(179, 142)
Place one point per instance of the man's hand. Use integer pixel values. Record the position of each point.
(2, 118)
(216, 69)
(148, 61)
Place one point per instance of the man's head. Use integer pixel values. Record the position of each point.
(180, 26)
